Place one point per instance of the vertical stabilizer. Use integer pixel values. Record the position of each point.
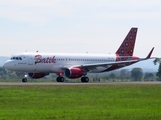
(127, 46)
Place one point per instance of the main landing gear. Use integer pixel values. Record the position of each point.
(60, 79)
(85, 79)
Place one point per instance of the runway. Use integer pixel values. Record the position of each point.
(67, 83)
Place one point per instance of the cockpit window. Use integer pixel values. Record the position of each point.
(16, 58)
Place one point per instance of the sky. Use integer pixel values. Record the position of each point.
(78, 26)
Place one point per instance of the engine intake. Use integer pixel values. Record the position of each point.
(73, 72)
(37, 75)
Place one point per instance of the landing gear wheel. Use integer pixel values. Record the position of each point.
(60, 79)
(85, 79)
(24, 79)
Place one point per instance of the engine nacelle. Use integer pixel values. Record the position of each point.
(73, 72)
(37, 75)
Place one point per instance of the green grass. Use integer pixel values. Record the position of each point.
(81, 102)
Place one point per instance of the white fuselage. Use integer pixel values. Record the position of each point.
(53, 63)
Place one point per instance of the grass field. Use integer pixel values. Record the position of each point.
(81, 102)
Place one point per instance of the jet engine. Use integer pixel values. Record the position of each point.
(73, 72)
(37, 75)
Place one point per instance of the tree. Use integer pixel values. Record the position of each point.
(13, 75)
(137, 74)
(3, 70)
(112, 76)
(148, 76)
(20, 74)
(124, 74)
(158, 60)
(159, 72)
(3, 73)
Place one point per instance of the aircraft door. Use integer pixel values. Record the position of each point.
(30, 60)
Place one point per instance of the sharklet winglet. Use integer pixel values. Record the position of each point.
(149, 55)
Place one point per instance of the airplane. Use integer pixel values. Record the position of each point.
(38, 65)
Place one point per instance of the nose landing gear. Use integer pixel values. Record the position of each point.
(24, 79)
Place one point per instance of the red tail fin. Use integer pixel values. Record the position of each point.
(127, 46)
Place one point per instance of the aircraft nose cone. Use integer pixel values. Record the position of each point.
(7, 65)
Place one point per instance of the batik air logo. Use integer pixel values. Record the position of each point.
(40, 59)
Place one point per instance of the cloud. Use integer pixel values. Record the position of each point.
(72, 25)
(31, 11)
(40, 12)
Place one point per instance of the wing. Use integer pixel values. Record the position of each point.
(88, 67)
(93, 66)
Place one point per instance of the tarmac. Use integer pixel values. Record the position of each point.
(68, 83)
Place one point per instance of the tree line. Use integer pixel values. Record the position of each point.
(136, 74)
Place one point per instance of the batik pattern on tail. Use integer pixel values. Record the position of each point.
(127, 46)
